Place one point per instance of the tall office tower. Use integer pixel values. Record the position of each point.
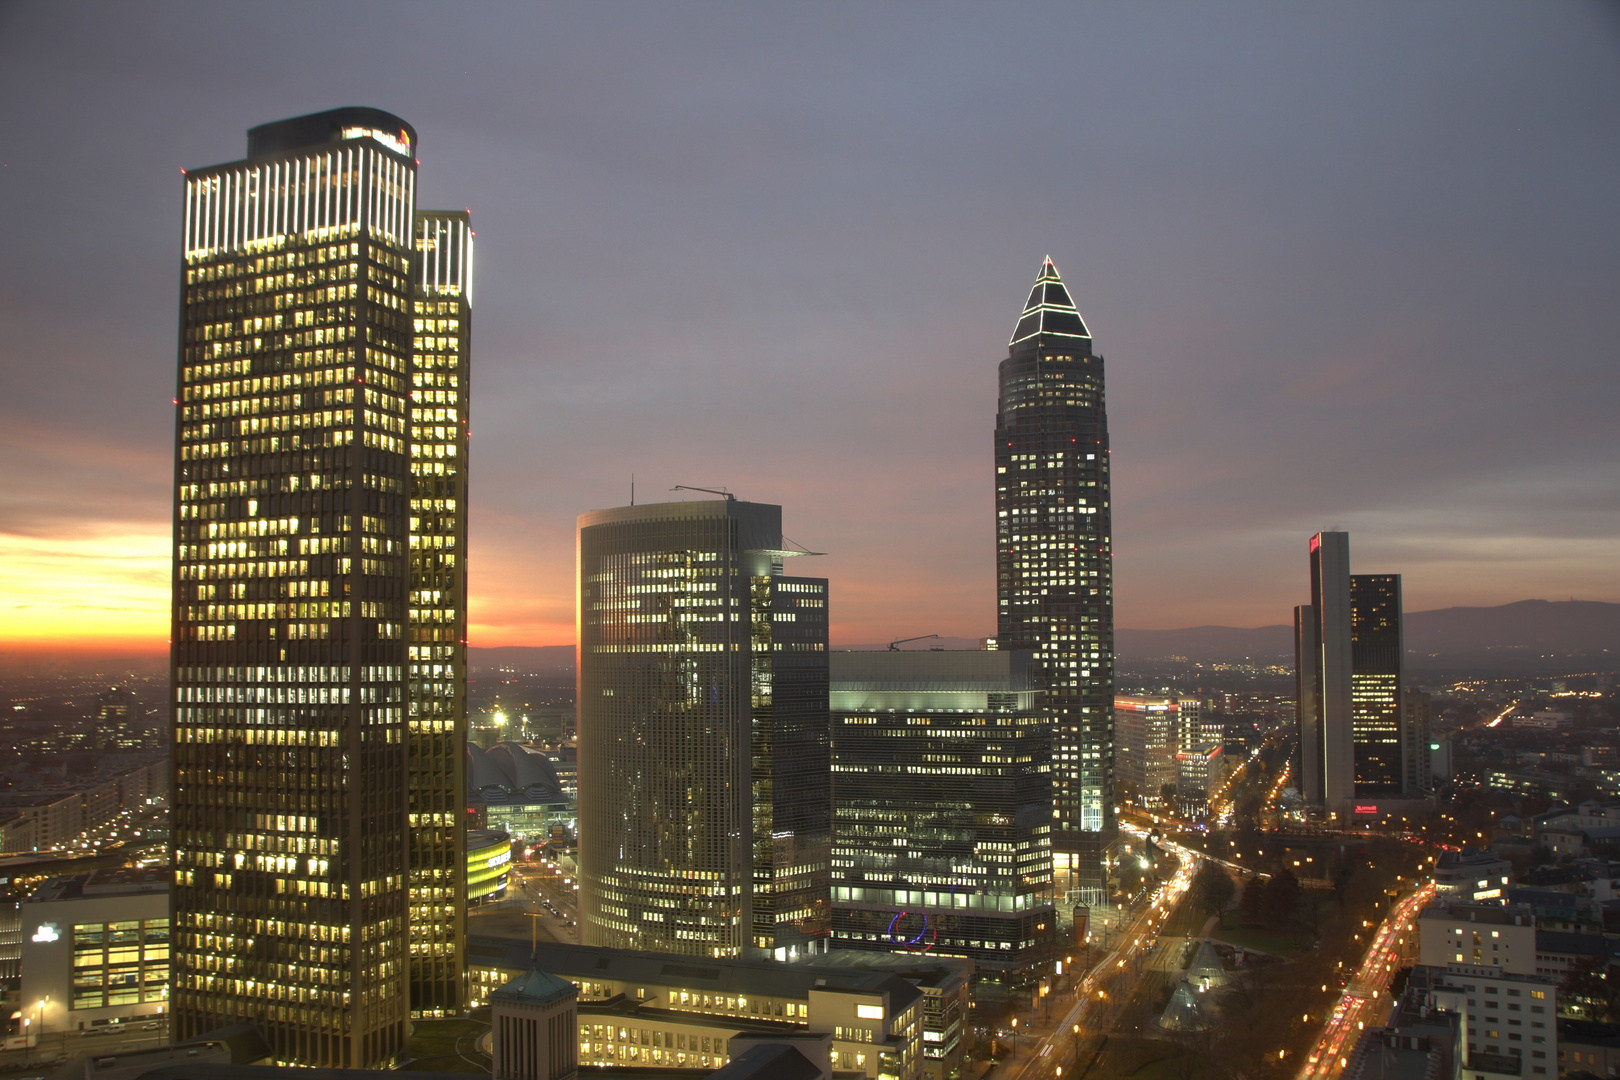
(296, 714)
(441, 327)
(1307, 707)
(1148, 731)
(1054, 566)
(705, 800)
(119, 724)
(1416, 707)
(1376, 685)
(942, 806)
(1193, 728)
(1323, 659)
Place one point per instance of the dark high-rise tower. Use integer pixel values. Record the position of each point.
(1376, 684)
(1054, 563)
(1356, 725)
(317, 721)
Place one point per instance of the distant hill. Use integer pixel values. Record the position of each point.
(1544, 626)
(1522, 636)
(1519, 637)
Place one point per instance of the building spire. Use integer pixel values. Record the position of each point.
(1049, 310)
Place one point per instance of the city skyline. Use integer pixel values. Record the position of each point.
(1288, 252)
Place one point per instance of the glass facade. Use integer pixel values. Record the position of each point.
(1376, 653)
(120, 963)
(296, 714)
(942, 803)
(441, 325)
(1054, 565)
(489, 864)
(704, 807)
(1149, 731)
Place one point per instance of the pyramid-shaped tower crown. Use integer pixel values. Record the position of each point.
(1050, 311)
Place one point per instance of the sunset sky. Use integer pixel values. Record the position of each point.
(1352, 265)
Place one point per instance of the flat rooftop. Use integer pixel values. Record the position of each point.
(112, 881)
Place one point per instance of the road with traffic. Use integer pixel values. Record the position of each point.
(1108, 985)
(1365, 1001)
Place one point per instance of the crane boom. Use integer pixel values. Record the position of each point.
(711, 491)
(894, 646)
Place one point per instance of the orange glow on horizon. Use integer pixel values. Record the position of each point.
(108, 590)
(99, 590)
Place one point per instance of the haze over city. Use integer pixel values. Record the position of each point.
(1351, 266)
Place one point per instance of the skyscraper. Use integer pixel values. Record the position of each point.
(1376, 684)
(441, 327)
(942, 808)
(1356, 725)
(1307, 708)
(704, 792)
(1148, 733)
(1326, 729)
(1054, 568)
(308, 693)
(1415, 709)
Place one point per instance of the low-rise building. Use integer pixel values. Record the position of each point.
(1470, 874)
(1588, 1046)
(515, 788)
(95, 949)
(1570, 830)
(59, 819)
(1509, 1021)
(1478, 934)
(662, 1011)
(489, 864)
(1558, 951)
(1420, 1042)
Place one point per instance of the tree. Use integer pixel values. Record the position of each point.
(1253, 901)
(1211, 889)
(1593, 986)
(1282, 896)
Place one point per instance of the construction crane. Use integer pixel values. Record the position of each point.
(711, 491)
(894, 646)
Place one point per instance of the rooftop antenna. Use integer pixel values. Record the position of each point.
(534, 934)
(711, 491)
(632, 489)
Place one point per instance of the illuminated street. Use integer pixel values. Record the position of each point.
(1365, 1000)
(1110, 982)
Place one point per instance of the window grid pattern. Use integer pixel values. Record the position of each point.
(120, 963)
(290, 664)
(950, 815)
(437, 617)
(664, 824)
(790, 767)
(1054, 563)
(704, 799)
(1375, 684)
